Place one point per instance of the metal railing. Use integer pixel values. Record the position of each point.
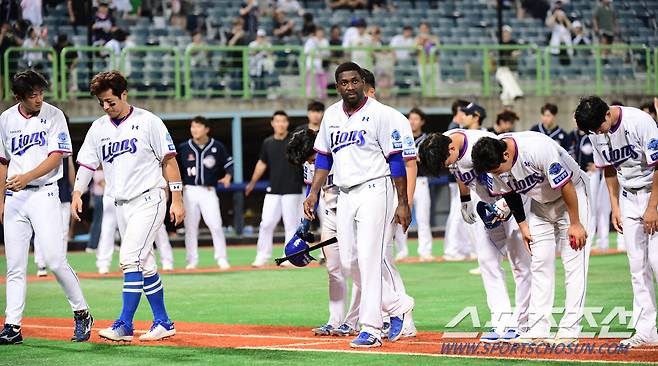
(24, 62)
(84, 63)
(153, 71)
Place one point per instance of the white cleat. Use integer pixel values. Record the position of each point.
(190, 266)
(427, 258)
(118, 332)
(159, 331)
(223, 264)
(637, 341)
(167, 267)
(259, 262)
(103, 270)
(41, 272)
(475, 271)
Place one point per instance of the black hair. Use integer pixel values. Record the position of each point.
(419, 112)
(315, 105)
(549, 107)
(300, 146)
(201, 120)
(433, 152)
(590, 113)
(347, 66)
(279, 113)
(487, 154)
(108, 80)
(507, 115)
(617, 102)
(457, 105)
(649, 106)
(27, 82)
(369, 78)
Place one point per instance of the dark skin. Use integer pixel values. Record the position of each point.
(351, 87)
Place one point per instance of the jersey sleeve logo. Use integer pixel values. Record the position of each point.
(20, 144)
(554, 168)
(395, 135)
(168, 138)
(112, 150)
(653, 145)
(63, 141)
(409, 141)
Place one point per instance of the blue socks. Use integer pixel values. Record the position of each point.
(155, 294)
(133, 282)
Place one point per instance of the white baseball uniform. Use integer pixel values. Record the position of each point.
(360, 144)
(25, 142)
(541, 168)
(491, 245)
(631, 147)
(131, 152)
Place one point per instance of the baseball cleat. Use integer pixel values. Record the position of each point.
(343, 331)
(324, 330)
(159, 330)
(490, 337)
(637, 341)
(190, 266)
(223, 264)
(400, 257)
(510, 335)
(118, 332)
(475, 271)
(399, 324)
(454, 258)
(83, 323)
(166, 267)
(365, 340)
(103, 270)
(11, 334)
(41, 272)
(385, 329)
(427, 258)
(259, 262)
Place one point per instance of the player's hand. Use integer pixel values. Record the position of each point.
(2, 213)
(226, 181)
(249, 188)
(577, 236)
(177, 211)
(525, 236)
(309, 205)
(468, 213)
(655, 103)
(403, 215)
(615, 218)
(76, 206)
(17, 182)
(650, 220)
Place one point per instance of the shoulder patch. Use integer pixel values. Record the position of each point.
(396, 135)
(168, 138)
(554, 168)
(63, 137)
(409, 141)
(653, 144)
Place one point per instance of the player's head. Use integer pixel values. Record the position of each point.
(505, 121)
(417, 119)
(593, 115)
(434, 154)
(474, 115)
(199, 127)
(314, 112)
(457, 113)
(300, 147)
(111, 89)
(349, 83)
(648, 107)
(548, 113)
(280, 123)
(491, 156)
(28, 87)
(369, 80)
(407, 31)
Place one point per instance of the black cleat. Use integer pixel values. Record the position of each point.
(83, 323)
(11, 334)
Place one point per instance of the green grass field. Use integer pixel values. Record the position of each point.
(281, 297)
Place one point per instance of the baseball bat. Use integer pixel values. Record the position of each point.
(305, 251)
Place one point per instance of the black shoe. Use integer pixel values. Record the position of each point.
(83, 323)
(11, 334)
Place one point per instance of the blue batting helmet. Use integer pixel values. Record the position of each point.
(296, 245)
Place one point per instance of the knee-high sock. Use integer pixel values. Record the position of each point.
(155, 294)
(133, 282)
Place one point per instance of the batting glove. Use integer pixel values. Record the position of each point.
(468, 213)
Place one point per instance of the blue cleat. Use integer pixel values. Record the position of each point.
(118, 332)
(343, 331)
(385, 329)
(324, 330)
(398, 325)
(510, 335)
(490, 337)
(365, 340)
(83, 323)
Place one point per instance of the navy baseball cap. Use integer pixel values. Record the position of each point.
(473, 108)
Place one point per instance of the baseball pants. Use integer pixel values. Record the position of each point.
(421, 207)
(456, 243)
(202, 201)
(548, 223)
(600, 221)
(108, 230)
(642, 252)
(275, 207)
(29, 211)
(65, 210)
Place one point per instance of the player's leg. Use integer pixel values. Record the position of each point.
(452, 242)
(290, 207)
(191, 201)
(39, 260)
(422, 209)
(106, 240)
(400, 237)
(212, 216)
(270, 217)
(397, 305)
(164, 249)
(603, 210)
(65, 210)
(519, 259)
(153, 289)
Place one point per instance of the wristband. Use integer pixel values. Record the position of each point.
(465, 198)
(175, 186)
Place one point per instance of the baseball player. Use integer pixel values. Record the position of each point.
(204, 162)
(137, 155)
(360, 137)
(33, 139)
(625, 142)
(284, 193)
(548, 125)
(314, 113)
(453, 150)
(533, 164)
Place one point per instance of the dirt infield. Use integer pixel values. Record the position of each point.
(300, 339)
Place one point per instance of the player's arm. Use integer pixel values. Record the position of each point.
(228, 167)
(323, 164)
(468, 213)
(71, 176)
(172, 174)
(650, 217)
(412, 172)
(3, 178)
(19, 181)
(259, 170)
(611, 181)
(576, 232)
(399, 175)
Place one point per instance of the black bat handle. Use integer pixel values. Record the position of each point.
(278, 261)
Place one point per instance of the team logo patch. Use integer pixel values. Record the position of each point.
(214, 149)
(190, 157)
(172, 147)
(409, 141)
(653, 144)
(554, 168)
(409, 152)
(396, 135)
(209, 162)
(63, 137)
(168, 138)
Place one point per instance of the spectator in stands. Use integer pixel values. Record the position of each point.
(282, 26)
(35, 59)
(650, 108)
(384, 63)
(508, 57)
(32, 11)
(124, 7)
(10, 11)
(347, 4)
(336, 40)
(308, 27)
(7, 40)
(507, 67)
(505, 121)
(249, 14)
(427, 42)
(359, 38)
(179, 11)
(289, 6)
(71, 60)
(560, 27)
(379, 5)
(605, 24)
(580, 38)
(548, 125)
(261, 62)
(317, 54)
(116, 43)
(406, 39)
(199, 62)
(103, 24)
(79, 14)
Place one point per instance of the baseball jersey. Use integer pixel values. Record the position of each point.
(540, 169)
(329, 190)
(131, 151)
(462, 169)
(359, 142)
(204, 166)
(556, 134)
(631, 146)
(409, 150)
(580, 148)
(63, 183)
(26, 141)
